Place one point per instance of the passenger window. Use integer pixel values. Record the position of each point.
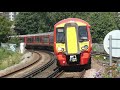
(82, 31)
(51, 39)
(37, 39)
(45, 39)
(29, 40)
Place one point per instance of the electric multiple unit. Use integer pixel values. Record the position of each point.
(72, 42)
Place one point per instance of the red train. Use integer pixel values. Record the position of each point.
(37, 40)
(71, 41)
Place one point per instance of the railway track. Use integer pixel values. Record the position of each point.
(33, 68)
(82, 73)
(42, 68)
(58, 73)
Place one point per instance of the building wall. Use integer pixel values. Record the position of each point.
(10, 15)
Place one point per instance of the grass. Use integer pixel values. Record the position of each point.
(101, 58)
(8, 58)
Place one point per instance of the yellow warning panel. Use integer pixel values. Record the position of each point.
(71, 40)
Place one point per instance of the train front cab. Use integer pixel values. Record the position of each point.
(72, 42)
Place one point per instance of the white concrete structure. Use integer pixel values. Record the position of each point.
(22, 47)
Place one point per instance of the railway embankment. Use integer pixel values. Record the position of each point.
(27, 59)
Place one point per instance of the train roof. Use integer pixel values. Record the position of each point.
(71, 19)
(40, 34)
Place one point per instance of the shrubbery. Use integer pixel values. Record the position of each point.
(8, 58)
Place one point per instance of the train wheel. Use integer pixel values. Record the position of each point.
(88, 66)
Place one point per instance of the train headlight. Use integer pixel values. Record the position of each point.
(60, 49)
(84, 47)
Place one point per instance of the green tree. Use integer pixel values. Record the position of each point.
(30, 22)
(101, 24)
(37, 22)
(5, 25)
(54, 17)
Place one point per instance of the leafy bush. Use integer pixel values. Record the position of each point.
(14, 40)
(5, 25)
(8, 58)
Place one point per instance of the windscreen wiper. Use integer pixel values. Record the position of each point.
(83, 39)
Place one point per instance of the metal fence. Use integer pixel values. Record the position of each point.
(98, 48)
(9, 46)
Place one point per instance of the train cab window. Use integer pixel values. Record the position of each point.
(82, 33)
(60, 35)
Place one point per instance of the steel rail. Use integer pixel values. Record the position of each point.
(56, 73)
(82, 73)
(39, 70)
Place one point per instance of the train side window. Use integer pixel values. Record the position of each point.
(82, 33)
(37, 39)
(45, 39)
(29, 39)
(60, 35)
(51, 39)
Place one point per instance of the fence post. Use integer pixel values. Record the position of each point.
(110, 53)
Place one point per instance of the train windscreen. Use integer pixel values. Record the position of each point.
(60, 35)
(82, 33)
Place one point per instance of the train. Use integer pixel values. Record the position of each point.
(71, 41)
